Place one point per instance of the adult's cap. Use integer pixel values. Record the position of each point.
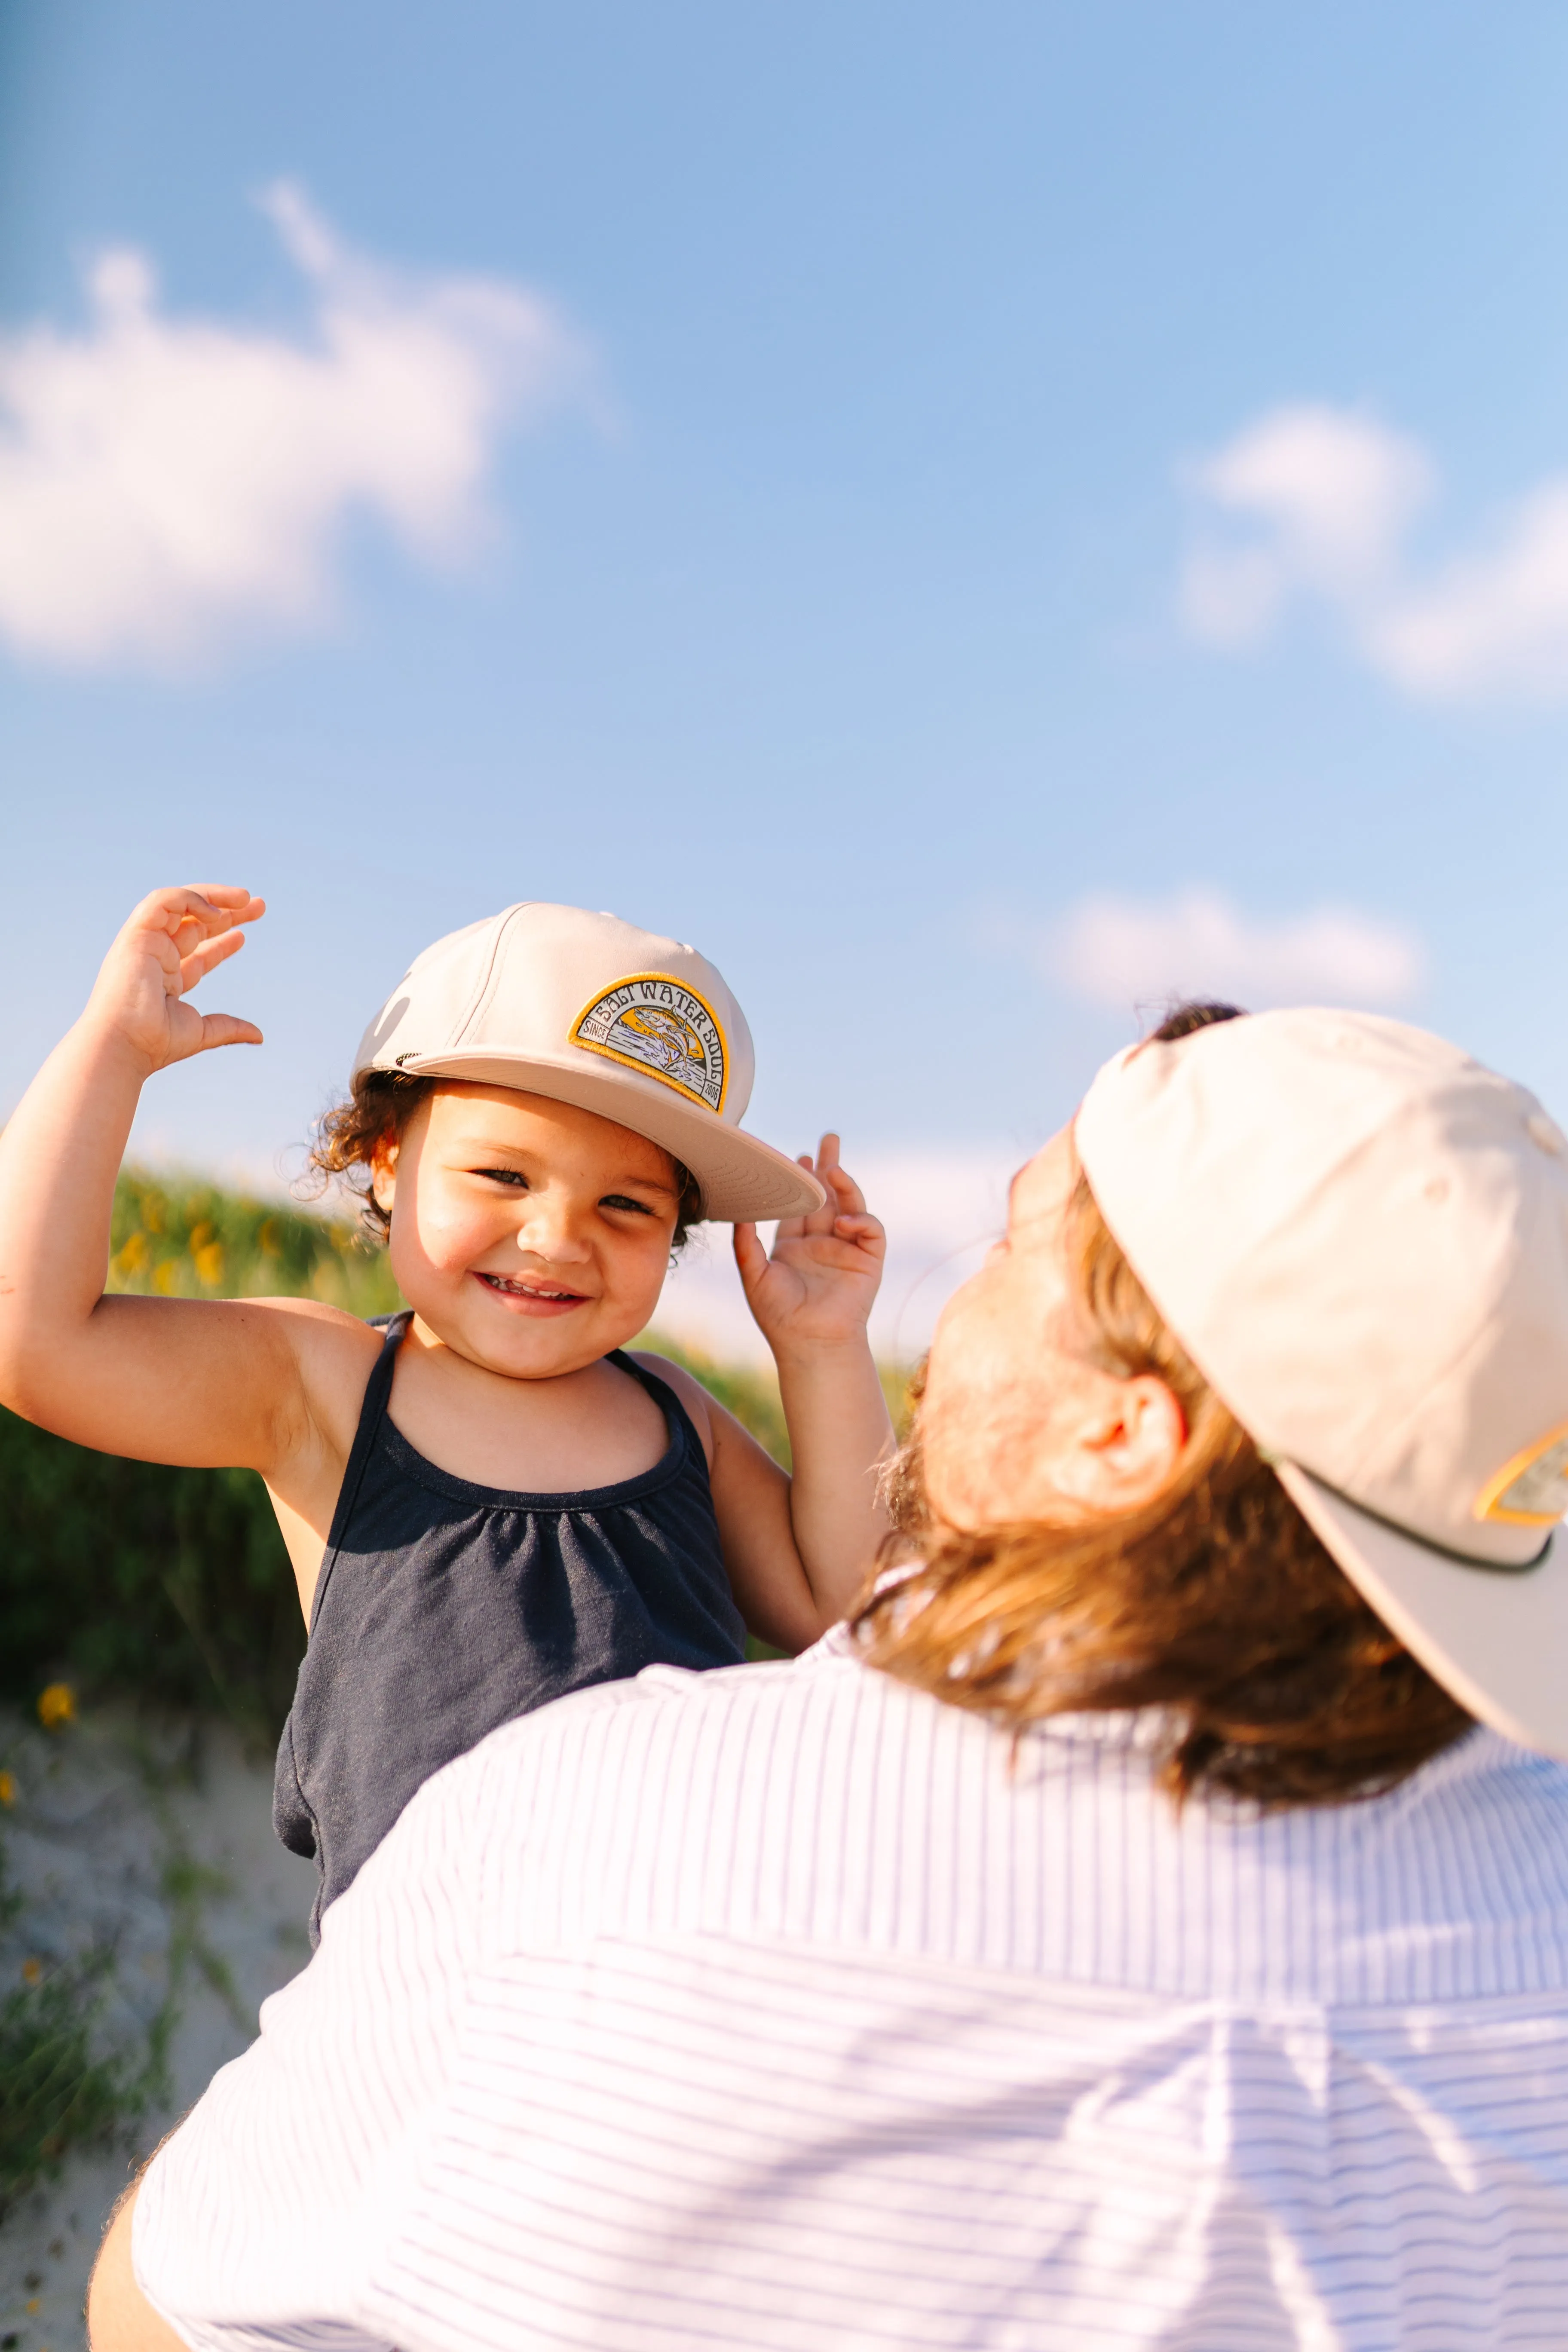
(1359, 1237)
(588, 1009)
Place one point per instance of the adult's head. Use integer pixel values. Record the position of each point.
(1259, 1413)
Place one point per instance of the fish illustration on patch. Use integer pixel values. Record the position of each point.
(655, 1024)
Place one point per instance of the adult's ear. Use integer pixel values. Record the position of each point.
(1130, 1445)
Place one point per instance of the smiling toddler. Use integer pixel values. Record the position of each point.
(487, 1502)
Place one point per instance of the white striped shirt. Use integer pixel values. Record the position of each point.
(786, 2007)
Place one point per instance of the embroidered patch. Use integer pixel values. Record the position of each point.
(1532, 1490)
(654, 1024)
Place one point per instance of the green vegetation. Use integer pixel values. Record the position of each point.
(68, 2078)
(55, 2092)
(185, 1238)
(57, 2089)
(169, 1586)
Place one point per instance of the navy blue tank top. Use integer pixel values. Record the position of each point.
(444, 1609)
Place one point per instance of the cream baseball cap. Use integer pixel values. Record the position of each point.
(590, 1011)
(1359, 1237)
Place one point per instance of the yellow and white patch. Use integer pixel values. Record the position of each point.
(658, 1025)
(1532, 1490)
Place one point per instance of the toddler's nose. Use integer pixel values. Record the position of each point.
(549, 1230)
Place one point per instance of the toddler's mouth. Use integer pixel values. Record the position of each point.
(534, 1298)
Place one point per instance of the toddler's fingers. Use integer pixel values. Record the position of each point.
(842, 1254)
(790, 1229)
(861, 1229)
(202, 958)
(231, 897)
(226, 908)
(215, 908)
(851, 1200)
(820, 1221)
(751, 1257)
(228, 1029)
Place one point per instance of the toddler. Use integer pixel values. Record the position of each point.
(487, 1502)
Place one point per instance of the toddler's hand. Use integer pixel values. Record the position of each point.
(172, 941)
(816, 1287)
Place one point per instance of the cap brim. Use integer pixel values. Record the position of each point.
(741, 1176)
(1496, 1638)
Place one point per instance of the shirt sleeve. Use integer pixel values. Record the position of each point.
(262, 2221)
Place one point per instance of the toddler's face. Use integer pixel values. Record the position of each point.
(530, 1237)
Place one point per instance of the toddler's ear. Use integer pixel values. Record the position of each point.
(384, 1174)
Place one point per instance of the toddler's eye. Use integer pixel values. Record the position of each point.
(620, 1200)
(513, 1176)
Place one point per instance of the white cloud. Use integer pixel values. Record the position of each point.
(1329, 496)
(1318, 502)
(1126, 952)
(1494, 622)
(168, 481)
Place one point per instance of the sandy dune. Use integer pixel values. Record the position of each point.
(158, 1842)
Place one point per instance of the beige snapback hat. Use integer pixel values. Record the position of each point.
(590, 1011)
(1361, 1238)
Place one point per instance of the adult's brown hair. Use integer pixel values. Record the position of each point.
(1216, 1605)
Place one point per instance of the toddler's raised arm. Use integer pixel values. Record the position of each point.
(799, 1549)
(175, 1380)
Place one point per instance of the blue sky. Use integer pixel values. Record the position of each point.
(972, 515)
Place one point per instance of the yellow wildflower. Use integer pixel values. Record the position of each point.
(268, 1240)
(163, 1280)
(7, 1788)
(56, 1704)
(209, 1264)
(201, 1233)
(31, 1972)
(132, 1254)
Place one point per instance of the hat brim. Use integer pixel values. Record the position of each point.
(741, 1178)
(1496, 1638)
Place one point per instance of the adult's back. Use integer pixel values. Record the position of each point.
(751, 2040)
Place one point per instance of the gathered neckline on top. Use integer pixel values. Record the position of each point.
(418, 1466)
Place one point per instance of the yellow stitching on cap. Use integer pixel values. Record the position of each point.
(1537, 1476)
(659, 1026)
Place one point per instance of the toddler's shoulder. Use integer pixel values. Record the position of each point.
(693, 1396)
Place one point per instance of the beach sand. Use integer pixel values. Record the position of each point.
(155, 1842)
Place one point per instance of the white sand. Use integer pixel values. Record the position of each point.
(161, 1844)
